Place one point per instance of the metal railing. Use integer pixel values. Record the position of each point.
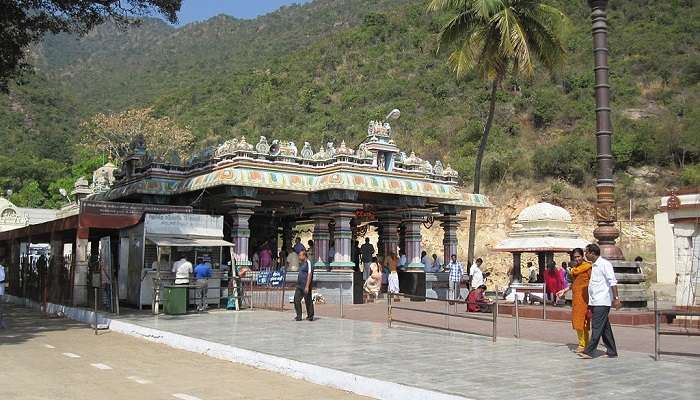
(493, 317)
(658, 332)
(262, 291)
(527, 288)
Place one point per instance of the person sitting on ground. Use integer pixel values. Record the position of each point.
(477, 302)
(374, 282)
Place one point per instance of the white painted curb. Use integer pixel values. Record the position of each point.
(357, 384)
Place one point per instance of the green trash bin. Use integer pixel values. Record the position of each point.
(175, 300)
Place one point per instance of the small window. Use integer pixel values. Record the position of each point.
(8, 212)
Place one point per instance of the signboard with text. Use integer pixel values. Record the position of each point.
(184, 224)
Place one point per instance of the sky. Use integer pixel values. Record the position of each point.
(200, 10)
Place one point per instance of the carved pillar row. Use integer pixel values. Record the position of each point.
(388, 233)
(321, 237)
(412, 219)
(450, 224)
(241, 211)
(343, 214)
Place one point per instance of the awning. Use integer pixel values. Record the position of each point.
(176, 241)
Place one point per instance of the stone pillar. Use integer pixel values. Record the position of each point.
(80, 269)
(321, 237)
(241, 211)
(450, 224)
(343, 214)
(388, 233)
(402, 238)
(517, 274)
(606, 214)
(541, 265)
(287, 233)
(413, 220)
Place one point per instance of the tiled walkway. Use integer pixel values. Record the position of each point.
(463, 365)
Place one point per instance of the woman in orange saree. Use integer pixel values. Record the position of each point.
(581, 274)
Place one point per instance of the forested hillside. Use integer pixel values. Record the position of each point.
(320, 71)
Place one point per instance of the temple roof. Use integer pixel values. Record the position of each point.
(377, 166)
(306, 179)
(542, 227)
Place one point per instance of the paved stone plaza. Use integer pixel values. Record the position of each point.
(463, 365)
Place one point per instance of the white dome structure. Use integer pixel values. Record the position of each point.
(542, 227)
(544, 212)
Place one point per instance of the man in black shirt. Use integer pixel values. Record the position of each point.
(303, 289)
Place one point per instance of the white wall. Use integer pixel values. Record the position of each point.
(665, 257)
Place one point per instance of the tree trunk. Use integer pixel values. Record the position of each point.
(477, 168)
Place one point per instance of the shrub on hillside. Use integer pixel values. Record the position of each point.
(569, 159)
(690, 175)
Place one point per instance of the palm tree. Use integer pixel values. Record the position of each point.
(495, 39)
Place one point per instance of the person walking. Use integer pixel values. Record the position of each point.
(303, 289)
(602, 294)
(456, 273)
(202, 273)
(581, 273)
(367, 252)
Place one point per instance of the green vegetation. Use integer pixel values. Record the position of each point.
(320, 71)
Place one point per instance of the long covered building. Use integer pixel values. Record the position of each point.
(264, 191)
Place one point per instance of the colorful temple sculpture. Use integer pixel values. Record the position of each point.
(264, 191)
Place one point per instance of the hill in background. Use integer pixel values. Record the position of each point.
(320, 71)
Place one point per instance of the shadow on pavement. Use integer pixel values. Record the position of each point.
(22, 324)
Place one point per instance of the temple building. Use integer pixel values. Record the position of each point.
(264, 191)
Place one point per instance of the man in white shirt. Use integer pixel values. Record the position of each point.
(182, 269)
(475, 274)
(602, 294)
